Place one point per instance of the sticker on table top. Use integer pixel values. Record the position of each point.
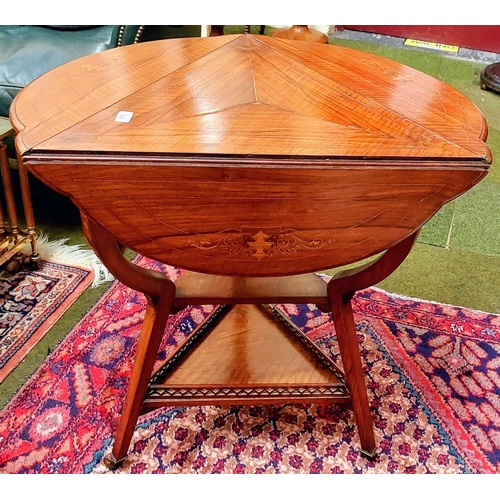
(124, 116)
(431, 45)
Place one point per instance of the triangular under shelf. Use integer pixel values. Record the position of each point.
(249, 356)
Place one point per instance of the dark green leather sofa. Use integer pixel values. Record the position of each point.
(27, 52)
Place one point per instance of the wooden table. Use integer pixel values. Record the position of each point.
(252, 162)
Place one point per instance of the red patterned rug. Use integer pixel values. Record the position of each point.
(433, 376)
(31, 302)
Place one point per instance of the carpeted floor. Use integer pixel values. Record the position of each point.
(31, 302)
(432, 375)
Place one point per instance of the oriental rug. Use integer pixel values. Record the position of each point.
(31, 301)
(432, 371)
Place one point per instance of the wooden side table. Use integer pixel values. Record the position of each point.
(13, 239)
(251, 162)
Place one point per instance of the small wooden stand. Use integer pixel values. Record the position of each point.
(12, 239)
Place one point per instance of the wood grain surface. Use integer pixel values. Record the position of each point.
(248, 155)
(257, 220)
(247, 94)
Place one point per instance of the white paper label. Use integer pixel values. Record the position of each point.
(124, 116)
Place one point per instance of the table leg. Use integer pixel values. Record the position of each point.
(9, 192)
(160, 293)
(353, 370)
(341, 289)
(153, 327)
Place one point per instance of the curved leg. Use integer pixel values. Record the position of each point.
(110, 252)
(341, 289)
(160, 293)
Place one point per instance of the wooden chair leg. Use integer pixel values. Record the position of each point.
(28, 209)
(345, 328)
(8, 191)
(216, 30)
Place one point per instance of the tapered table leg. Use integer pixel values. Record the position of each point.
(341, 289)
(153, 327)
(160, 293)
(345, 328)
(28, 210)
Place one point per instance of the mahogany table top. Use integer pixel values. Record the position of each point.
(269, 156)
(246, 94)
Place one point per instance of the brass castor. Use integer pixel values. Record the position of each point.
(111, 463)
(32, 262)
(13, 266)
(21, 261)
(15, 263)
(371, 456)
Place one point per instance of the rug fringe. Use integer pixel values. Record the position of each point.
(77, 255)
(328, 277)
(445, 304)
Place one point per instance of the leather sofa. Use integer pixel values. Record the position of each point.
(27, 52)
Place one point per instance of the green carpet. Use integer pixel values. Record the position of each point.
(456, 259)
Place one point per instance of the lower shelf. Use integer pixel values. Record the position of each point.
(246, 354)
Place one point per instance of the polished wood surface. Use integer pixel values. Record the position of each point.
(196, 288)
(250, 160)
(248, 118)
(269, 219)
(300, 32)
(244, 349)
(189, 96)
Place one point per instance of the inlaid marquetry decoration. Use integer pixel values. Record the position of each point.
(256, 242)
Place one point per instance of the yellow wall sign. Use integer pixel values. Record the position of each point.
(431, 45)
